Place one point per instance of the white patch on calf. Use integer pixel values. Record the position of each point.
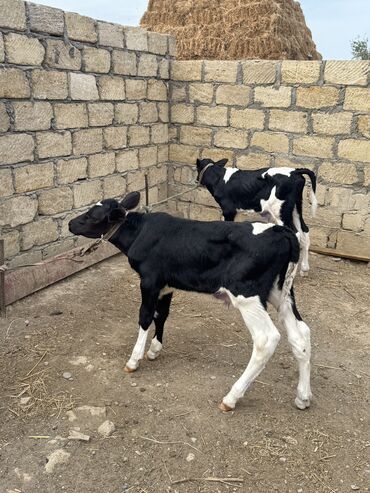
(155, 349)
(138, 351)
(278, 171)
(164, 291)
(272, 206)
(99, 204)
(228, 173)
(259, 228)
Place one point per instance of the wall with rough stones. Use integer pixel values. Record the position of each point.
(84, 114)
(292, 113)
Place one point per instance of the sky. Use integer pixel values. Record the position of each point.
(334, 23)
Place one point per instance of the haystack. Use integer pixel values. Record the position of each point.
(233, 29)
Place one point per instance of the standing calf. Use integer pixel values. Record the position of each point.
(246, 263)
(276, 193)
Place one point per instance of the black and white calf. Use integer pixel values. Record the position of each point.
(276, 193)
(246, 263)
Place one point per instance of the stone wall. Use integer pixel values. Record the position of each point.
(262, 113)
(84, 115)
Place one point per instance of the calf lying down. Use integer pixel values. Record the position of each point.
(276, 193)
(248, 264)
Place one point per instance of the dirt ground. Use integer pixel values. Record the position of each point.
(167, 424)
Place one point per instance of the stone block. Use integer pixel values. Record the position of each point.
(49, 84)
(86, 193)
(360, 202)
(62, 55)
(217, 154)
(215, 116)
(353, 243)
(45, 19)
(136, 38)
(148, 156)
(53, 144)
(300, 71)
(4, 118)
(363, 124)
(89, 141)
(271, 97)
(188, 70)
(183, 153)
(136, 90)
(163, 153)
(288, 121)
(80, 28)
(353, 221)
(138, 135)
(17, 210)
(96, 60)
(71, 170)
(157, 90)
(148, 113)
(317, 97)
(271, 142)
(114, 186)
(358, 99)
(332, 123)
(343, 173)
(233, 95)
(195, 135)
(32, 116)
(16, 148)
(160, 133)
(178, 92)
(231, 138)
(157, 175)
(39, 233)
(70, 115)
(347, 72)
(339, 198)
(57, 248)
(135, 181)
(182, 113)
(110, 34)
(220, 70)
(366, 176)
(253, 161)
(33, 177)
(11, 243)
(313, 146)
(157, 43)
(247, 118)
(6, 183)
(2, 49)
(164, 69)
(13, 14)
(13, 84)
(202, 213)
(102, 164)
(259, 72)
(127, 160)
(115, 137)
(22, 50)
(355, 150)
(124, 62)
(100, 114)
(83, 87)
(112, 88)
(148, 65)
(172, 50)
(126, 113)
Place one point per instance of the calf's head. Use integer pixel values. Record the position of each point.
(204, 164)
(101, 217)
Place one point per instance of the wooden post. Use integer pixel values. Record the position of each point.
(2, 281)
(146, 189)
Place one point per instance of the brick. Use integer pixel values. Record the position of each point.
(100, 114)
(202, 213)
(2, 49)
(300, 71)
(124, 62)
(217, 154)
(367, 227)
(11, 243)
(271, 142)
(172, 50)
(16, 148)
(270, 97)
(6, 183)
(32, 116)
(96, 60)
(80, 28)
(17, 210)
(135, 181)
(148, 65)
(292, 162)
(13, 83)
(114, 186)
(53, 144)
(178, 92)
(148, 156)
(62, 55)
(332, 123)
(195, 135)
(70, 115)
(39, 233)
(313, 146)
(339, 198)
(233, 95)
(22, 50)
(366, 175)
(89, 141)
(115, 137)
(160, 133)
(127, 113)
(13, 14)
(353, 221)
(187, 70)
(363, 124)
(136, 38)
(148, 113)
(157, 43)
(55, 200)
(49, 84)
(110, 34)
(127, 160)
(136, 89)
(326, 216)
(173, 134)
(157, 90)
(360, 202)
(83, 87)
(45, 19)
(138, 135)
(71, 170)
(317, 97)
(350, 242)
(247, 118)
(357, 98)
(348, 72)
(355, 149)
(112, 88)
(213, 116)
(220, 71)
(288, 121)
(182, 113)
(231, 138)
(4, 118)
(33, 177)
(259, 72)
(26, 258)
(343, 173)
(87, 193)
(183, 153)
(253, 161)
(59, 247)
(163, 152)
(157, 174)
(164, 69)
(102, 164)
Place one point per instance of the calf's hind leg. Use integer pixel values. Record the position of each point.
(265, 339)
(160, 317)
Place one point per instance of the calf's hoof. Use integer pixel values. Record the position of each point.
(225, 408)
(302, 403)
(127, 369)
(151, 356)
(303, 273)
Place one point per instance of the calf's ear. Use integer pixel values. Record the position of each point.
(117, 215)
(222, 162)
(131, 201)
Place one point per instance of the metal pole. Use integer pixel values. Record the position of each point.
(146, 189)
(2, 281)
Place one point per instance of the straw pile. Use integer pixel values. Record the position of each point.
(233, 29)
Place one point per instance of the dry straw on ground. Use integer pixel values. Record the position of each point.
(233, 29)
